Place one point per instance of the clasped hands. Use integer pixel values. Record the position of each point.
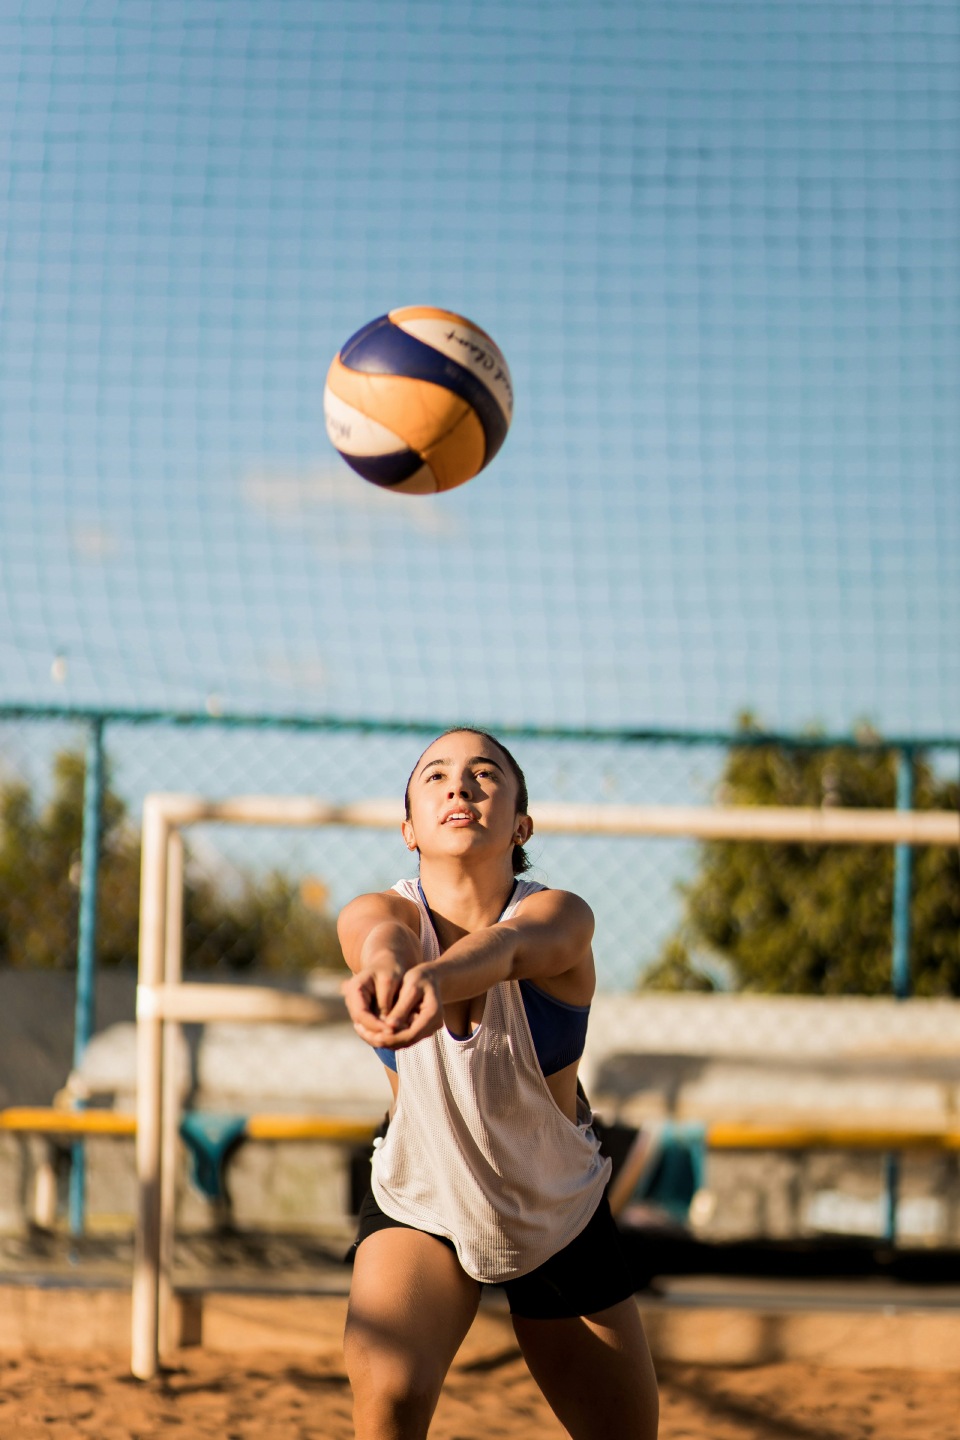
(392, 1009)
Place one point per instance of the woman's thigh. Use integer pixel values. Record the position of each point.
(595, 1372)
(411, 1304)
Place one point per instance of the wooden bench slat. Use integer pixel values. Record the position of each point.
(720, 1135)
(44, 1120)
(759, 1135)
(310, 1127)
(41, 1120)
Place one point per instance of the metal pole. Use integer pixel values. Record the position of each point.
(170, 1101)
(146, 1258)
(900, 975)
(87, 946)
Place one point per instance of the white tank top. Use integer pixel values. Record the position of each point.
(477, 1149)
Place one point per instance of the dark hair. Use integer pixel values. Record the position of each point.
(519, 859)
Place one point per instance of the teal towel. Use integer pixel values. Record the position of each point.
(678, 1170)
(211, 1139)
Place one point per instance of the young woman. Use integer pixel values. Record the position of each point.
(474, 987)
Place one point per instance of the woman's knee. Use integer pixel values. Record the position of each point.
(392, 1400)
(393, 1392)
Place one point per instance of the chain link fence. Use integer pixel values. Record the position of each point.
(262, 902)
(267, 898)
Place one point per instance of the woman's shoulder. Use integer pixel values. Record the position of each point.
(377, 905)
(534, 899)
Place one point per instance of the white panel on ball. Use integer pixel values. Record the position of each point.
(354, 433)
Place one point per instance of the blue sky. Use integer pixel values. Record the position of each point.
(718, 245)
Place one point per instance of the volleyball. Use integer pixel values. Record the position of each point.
(419, 400)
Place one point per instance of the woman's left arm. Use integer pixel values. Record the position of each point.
(549, 937)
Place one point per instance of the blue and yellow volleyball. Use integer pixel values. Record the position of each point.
(419, 400)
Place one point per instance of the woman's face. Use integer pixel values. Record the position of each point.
(463, 800)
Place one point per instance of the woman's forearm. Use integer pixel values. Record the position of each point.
(474, 963)
(390, 946)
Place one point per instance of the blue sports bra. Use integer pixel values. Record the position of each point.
(559, 1030)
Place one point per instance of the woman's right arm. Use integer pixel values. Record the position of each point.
(379, 935)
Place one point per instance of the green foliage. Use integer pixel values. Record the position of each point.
(267, 924)
(815, 919)
(677, 971)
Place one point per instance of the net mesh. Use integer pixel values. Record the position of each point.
(718, 244)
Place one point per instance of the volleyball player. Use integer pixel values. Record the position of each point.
(474, 986)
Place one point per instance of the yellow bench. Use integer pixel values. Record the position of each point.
(80, 1124)
(718, 1135)
(212, 1139)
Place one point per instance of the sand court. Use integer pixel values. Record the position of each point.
(271, 1368)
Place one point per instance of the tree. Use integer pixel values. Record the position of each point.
(815, 919)
(267, 924)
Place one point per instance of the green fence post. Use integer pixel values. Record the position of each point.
(87, 945)
(900, 976)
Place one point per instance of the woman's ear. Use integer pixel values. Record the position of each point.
(523, 830)
(409, 839)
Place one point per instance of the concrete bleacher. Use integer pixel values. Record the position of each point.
(754, 1056)
(864, 1064)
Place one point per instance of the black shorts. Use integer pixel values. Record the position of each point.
(589, 1274)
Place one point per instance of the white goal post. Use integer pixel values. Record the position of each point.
(164, 1000)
